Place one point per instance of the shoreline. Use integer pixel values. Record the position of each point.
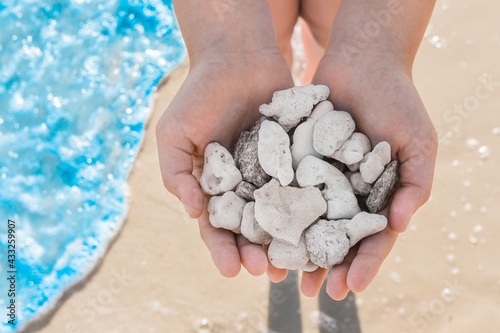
(441, 276)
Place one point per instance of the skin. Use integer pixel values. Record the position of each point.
(238, 59)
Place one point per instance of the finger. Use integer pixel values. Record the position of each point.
(222, 246)
(311, 282)
(418, 160)
(276, 275)
(252, 256)
(176, 166)
(405, 203)
(336, 286)
(371, 254)
(416, 182)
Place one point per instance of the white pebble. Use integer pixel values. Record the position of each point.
(447, 294)
(274, 152)
(478, 228)
(204, 326)
(472, 239)
(450, 257)
(484, 152)
(471, 143)
(395, 277)
(452, 236)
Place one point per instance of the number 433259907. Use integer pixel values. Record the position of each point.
(11, 240)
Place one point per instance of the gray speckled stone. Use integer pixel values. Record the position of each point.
(383, 188)
(327, 243)
(245, 191)
(246, 156)
(339, 165)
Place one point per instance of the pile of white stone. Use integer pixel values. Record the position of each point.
(296, 180)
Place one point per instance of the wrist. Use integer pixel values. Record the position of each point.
(226, 29)
(379, 33)
(361, 59)
(229, 54)
(358, 76)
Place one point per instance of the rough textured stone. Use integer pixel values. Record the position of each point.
(284, 212)
(354, 149)
(284, 255)
(338, 192)
(303, 135)
(332, 131)
(373, 163)
(246, 156)
(353, 167)
(225, 211)
(250, 228)
(327, 243)
(310, 266)
(289, 106)
(363, 225)
(245, 190)
(219, 172)
(358, 184)
(383, 188)
(274, 152)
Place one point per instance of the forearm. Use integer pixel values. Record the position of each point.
(385, 30)
(225, 28)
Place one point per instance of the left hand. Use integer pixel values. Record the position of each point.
(386, 106)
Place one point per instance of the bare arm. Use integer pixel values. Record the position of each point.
(225, 28)
(367, 65)
(385, 30)
(235, 66)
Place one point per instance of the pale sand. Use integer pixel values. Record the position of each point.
(173, 284)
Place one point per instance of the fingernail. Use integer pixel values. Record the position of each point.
(186, 207)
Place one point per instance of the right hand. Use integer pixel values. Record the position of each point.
(219, 99)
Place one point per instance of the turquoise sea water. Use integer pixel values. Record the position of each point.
(76, 79)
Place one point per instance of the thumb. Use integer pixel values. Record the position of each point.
(176, 165)
(415, 189)
(407, 200)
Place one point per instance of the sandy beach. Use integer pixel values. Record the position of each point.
(442, 275)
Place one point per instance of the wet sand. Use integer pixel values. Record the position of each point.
(442, 275)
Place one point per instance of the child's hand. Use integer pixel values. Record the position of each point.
(219, 99)
(385, 106)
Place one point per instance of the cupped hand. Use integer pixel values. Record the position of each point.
(219, 99)
(386, 106)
